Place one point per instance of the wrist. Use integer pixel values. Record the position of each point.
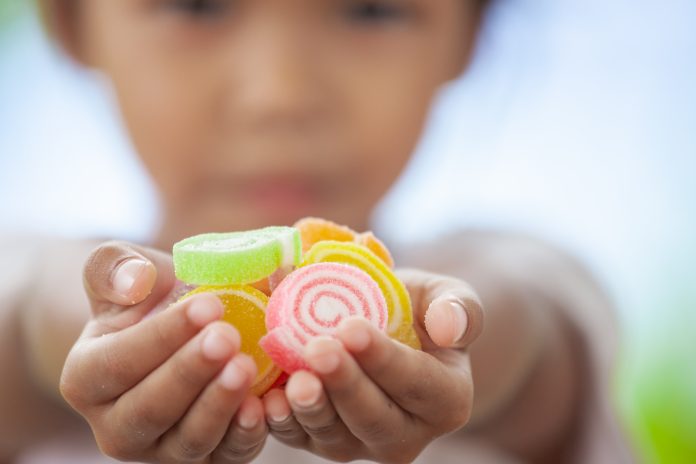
(507, 355)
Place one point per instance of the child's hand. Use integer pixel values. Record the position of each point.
(170, 387)
(372, 397)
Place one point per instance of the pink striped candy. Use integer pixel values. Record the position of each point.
(312, 301)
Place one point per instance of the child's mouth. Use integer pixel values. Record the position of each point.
(283, 195)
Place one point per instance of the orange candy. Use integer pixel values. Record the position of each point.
(376, 246)
(245, 310)
(313, 230)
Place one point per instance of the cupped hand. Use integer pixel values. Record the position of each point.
(160, 385)
(371, 397)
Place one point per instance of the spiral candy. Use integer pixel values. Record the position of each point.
(312, 301)
(400, 324)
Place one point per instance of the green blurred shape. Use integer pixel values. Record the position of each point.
(10, 10)
(658, 385)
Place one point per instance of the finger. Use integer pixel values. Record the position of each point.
(119, 275)
(317, 416)
(245, 437)
(369, 414)
(449, 308)
(103, 368)
(200, 431)
(415, 380)
(281, 421)
(142, 414)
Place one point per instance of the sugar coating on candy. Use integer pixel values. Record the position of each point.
(313, 230)
(236, 258)
(400, 324)
(369, 240)
(312, 301)
(245, 310)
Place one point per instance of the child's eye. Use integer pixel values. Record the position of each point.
(200, 8)
(373, 11)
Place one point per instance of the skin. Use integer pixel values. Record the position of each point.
(259, 113)
(269, 106)
(158, 389)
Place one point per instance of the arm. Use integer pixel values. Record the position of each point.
(127, 371)
(542, 366)
(42, 311)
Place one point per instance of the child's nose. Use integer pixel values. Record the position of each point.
(278, 81)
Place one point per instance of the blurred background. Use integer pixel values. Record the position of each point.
(576, 123)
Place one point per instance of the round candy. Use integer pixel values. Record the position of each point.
(398, 301)
(313, 230)
(375, 245)
(245, 310)
(312, 301)
(236, 258)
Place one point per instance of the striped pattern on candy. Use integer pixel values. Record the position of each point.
(312, 301)
(314, 230)
(375, 245)
(236, 258)
(245, 309)
(400, 324)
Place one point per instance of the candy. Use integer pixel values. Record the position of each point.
(245, 310)
(236, 257)
(312, 301)
(400, 324)
(313, 230)
(375, 245)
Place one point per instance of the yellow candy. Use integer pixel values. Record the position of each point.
(400, 325)
(245, 310)
(375, 245)
(313, 230)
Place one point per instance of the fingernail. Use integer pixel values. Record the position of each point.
(322, 356)
(248, 419)
(203, 311)
(308, 396)
(276, 406)
(126, 274)
(460, 320)
(217, 346)
(354, 335)
(279, 416)
(233, 376)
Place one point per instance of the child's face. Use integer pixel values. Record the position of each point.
(253, 112)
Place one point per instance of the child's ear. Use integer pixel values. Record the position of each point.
(62, 21)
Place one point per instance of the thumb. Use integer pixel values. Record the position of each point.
(119, 275)
(449, 308)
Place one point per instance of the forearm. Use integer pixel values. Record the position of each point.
(54, 311)
(527, 377)
(527, 362)
(530, 364)
(36, 328)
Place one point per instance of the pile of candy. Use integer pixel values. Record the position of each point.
(281, 286)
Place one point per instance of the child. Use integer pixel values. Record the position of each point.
(250, 113)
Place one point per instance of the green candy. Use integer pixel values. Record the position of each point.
(236, 258)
